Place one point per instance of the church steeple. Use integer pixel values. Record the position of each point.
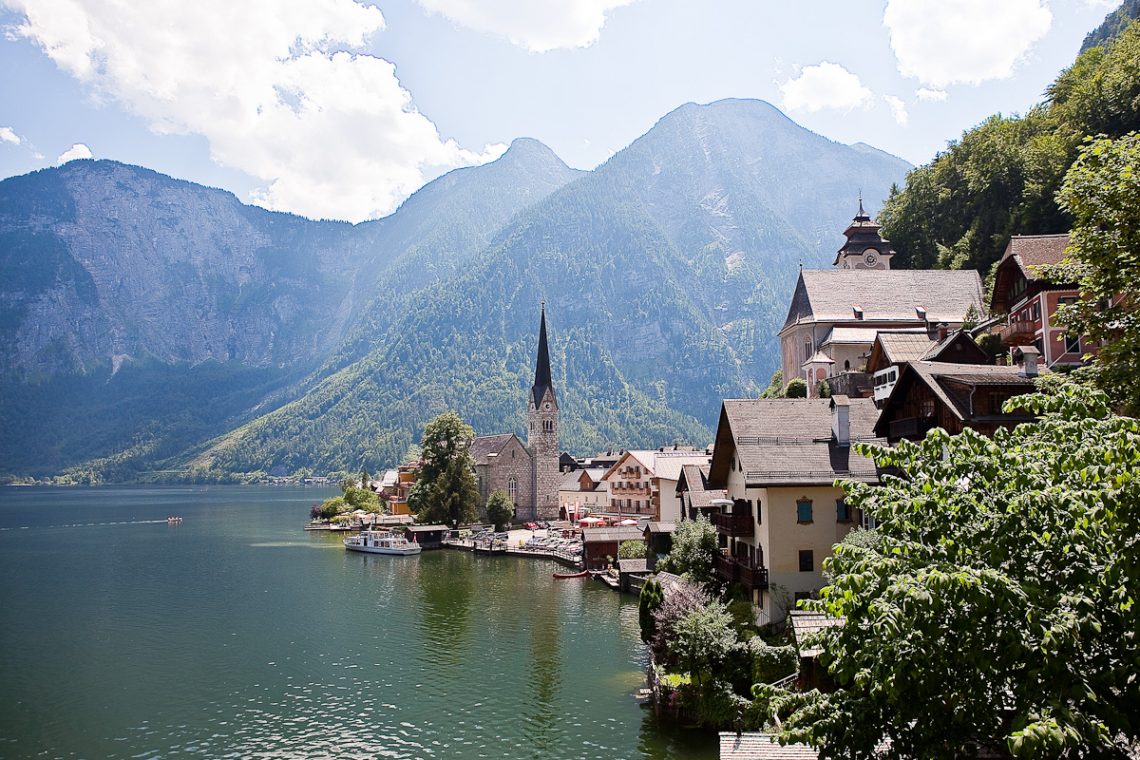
(542, 381)
(865, 248)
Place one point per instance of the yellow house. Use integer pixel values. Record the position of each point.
(778, 460)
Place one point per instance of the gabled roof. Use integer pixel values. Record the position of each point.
(695, 479)
(939, 377)
(958, 347)
(1023, 253)
(897, 346)
(488, 444)
(789, 442)
(605, 535)
(894, 295)
(806, 624)
(756, 746)
(661, 527)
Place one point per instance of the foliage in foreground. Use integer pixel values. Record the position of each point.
(694, 550)
(1102, 193)
(500, 509)
(999, 604)
(635, 549)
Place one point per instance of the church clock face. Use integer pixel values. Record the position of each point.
(870, 257)
(546, 406)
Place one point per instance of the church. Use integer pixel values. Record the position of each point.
(527, 472)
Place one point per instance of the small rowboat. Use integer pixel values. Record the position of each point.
(564, 576)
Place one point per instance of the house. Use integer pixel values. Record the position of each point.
(1030, 300)
(581, 491)
(805, 629)
(428, 536)
(529, 474)
(631, 572)
(835, 313)
(600, 545)
(694, 494)
(955, 397)
(397, 496)
(893, 349)
(778, 459)
(643, 483)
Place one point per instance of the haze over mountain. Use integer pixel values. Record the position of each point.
(666, 273)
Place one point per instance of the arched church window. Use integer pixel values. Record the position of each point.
(846, 365)
(513, 489)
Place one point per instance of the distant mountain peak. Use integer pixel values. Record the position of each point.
(530, 149)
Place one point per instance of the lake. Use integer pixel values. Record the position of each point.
(237, 634)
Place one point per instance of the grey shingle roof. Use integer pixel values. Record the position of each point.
(830, 295)
(899, 347)
(488, 444)
(806, 624)
(603, 535)
(1036, 250)
(633, 565)
(789, 442)
(933, 373)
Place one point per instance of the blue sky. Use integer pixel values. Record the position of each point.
(333, 108)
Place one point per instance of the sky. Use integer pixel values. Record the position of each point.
(341, 109)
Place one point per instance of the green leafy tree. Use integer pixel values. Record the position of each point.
(635, 549)
(775, 387)
(647, 604)
(695, 548)
(823, 389)
(797, 388)
(999, 607)
(1101, 192)
(445, 491)
(500, 509)
(702, 641)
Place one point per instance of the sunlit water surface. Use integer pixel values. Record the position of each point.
(236, 634)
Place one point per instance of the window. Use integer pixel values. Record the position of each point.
(846, 365)
(869, 523)
(513, 489)
(801, 595)
(803, 511)
(1036, 310)
(842, 511)
(1072, 344)
(807, 561)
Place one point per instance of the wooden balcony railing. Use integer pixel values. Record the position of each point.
(734, 525)
(741, 571)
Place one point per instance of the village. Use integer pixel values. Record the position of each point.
(868, 355)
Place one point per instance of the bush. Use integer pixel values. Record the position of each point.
(635, 549)
(797, 388)
(647, 604)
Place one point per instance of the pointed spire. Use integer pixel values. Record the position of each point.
(542, 379)
(861, 211)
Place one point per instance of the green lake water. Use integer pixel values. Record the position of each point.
(237, 634)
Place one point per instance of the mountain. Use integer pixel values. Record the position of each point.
(140, 313)
(666, 273)
(1113, 25)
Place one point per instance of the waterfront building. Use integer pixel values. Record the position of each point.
(600, 545)
(835, 313)
(583, 490)
(778, 460)
(694, 494)
(1028, 300)
(528, 473)
(643, 483)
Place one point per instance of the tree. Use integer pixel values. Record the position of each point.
(775, 387)
(500, 509)
(635, 549)
(695, 548)
(823, 389)
(797, 388)
(647, 604)
(1101, 191)
(998, 606)
(702, 641)
(445, 491)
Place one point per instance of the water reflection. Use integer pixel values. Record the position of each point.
(446, 590)
(546, 666)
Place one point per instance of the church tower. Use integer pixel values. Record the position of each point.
(542, 431)
(865, 248)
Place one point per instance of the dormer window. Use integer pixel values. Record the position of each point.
(858, 311)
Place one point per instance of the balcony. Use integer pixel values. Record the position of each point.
(743, 572)
(740, 526)
(1018, 333)
(911, 427)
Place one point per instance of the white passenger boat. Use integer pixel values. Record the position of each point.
(380, 542)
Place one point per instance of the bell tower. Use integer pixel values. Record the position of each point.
(542, 431)
(865, 248)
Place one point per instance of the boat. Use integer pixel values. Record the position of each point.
(564, 576)
(381, 542)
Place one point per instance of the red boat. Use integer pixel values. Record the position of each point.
(564, 576)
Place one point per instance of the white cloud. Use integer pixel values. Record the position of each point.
(930, 95)
(940, 42)
(9, 136)
(898, 109)
(330, 131)
(536, 26)
(825, 85)
(76, 151)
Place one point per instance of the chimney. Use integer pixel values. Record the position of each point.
(943, 331)
(841, 419)
(1029, 355)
